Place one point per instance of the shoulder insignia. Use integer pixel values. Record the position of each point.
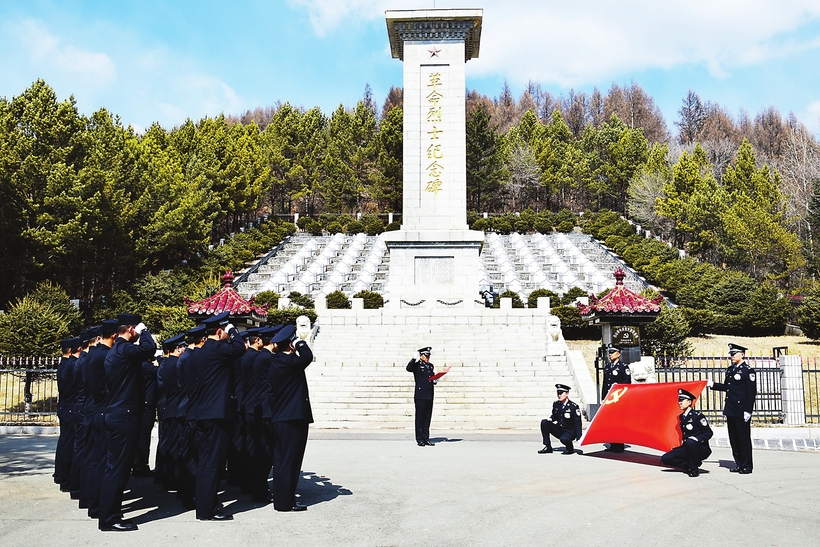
(703, 422)
(752, 377)
(578, 411)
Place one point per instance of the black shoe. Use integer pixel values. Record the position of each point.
(693, 472)
(421, 443)
(219, 517)
(546, 450)
(569, 451)
(734, 470)
(428, 443)
(299, 507)
(120, 527)
(74, 495)
(744, 471)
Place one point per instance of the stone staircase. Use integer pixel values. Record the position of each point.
(501, 378)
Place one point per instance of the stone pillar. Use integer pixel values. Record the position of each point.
(434, 257)
(791, 390)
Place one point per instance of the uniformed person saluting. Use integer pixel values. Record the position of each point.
(564, 424)
(741, 389)
(615, 372)
(422, 370)
(696, 432)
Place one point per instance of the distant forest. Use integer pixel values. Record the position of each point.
(90, 204)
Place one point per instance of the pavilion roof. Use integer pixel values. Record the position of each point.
(225, 299)
(620, 301)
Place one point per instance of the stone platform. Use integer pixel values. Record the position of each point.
(505, 364)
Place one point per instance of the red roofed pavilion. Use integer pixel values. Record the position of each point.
(227, 299)
(620, 305)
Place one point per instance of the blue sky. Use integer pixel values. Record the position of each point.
(166, 61)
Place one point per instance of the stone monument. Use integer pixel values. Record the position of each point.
(434, 258)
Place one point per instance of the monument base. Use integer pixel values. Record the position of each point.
(434, 268)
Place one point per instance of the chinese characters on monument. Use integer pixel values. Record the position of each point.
(432, 125)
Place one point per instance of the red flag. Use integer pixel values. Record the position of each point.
(642, 414)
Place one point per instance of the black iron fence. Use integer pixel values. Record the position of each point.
(769, 401)
(28, 390)
(811, 389)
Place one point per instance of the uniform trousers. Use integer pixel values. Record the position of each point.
(549, 428)
(186, 460)
(87, 459)
(687, 456)
(98, 456)
(213, 438)
(424, 414)
(740, 438)
(65, 449)
(166, 450)
(236, 470)
(288, 452)
(260, 450)
(77, 454)
(121, 432)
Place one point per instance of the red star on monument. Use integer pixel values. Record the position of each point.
(434, 52)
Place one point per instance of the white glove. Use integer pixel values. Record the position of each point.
(139, 328)
(416, 356)
(709, 383)
(692, 439)
(747, 416)
(228, 327)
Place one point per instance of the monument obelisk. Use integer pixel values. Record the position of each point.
(434, 258)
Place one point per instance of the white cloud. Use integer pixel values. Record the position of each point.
(46, 50)
(586, 41)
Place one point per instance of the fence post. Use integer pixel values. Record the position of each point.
(791, 388)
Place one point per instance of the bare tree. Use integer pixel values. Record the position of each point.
(644, 191)
(574, 108)
(799, 168)
(505, 113)
(692, 118)
(395, 98)
(637, 109)
(525, 176)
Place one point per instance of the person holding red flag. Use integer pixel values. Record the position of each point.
(696, 432)
(741, 391)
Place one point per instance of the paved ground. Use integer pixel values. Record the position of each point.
(379, 489)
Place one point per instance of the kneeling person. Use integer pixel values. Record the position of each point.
(564, 424)
(696, 434)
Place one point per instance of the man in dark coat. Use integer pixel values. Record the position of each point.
(422, 370)
(564, 423)
(167, 411)
(94, 380)
(740, 386)
(87, 415)
(247, 399)
(126, 399)
(291, 415)
(186, 442)
(215, 411)
(696, 433)
(259, 419)
(78, 394)
(65, 413)
(615, 372)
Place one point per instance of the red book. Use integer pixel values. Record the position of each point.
(438, 375)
